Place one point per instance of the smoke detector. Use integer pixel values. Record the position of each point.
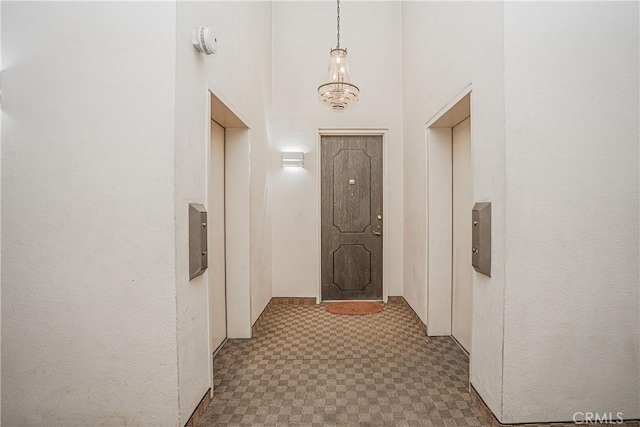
(204, 40)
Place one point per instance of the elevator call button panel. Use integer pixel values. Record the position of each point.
(197, 240)
(481, 238)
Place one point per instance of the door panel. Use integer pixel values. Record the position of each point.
(352, 267)
(352, 202)
(216, 239)
(462, 270)
(351, 217)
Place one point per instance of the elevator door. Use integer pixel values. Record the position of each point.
(216, 239)
(462, 270)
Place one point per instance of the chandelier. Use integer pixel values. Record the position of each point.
(338, 92)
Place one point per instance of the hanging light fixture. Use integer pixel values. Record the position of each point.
(338, 92)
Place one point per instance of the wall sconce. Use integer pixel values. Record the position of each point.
(293, 159)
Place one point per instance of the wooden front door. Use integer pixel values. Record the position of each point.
(351, 217)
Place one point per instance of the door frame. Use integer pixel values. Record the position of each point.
(385, 200)
(236, 212)
(439, 209)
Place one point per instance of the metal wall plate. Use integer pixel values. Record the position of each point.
(197, 240)
(481, 238)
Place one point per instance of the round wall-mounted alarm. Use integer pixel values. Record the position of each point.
(204, 40)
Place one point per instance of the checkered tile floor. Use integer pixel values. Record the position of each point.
(308, 367)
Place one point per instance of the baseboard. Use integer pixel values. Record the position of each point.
(416, 318)
(255, 328)
(490, 419)
(293, 300)
(200, 410)
(485, 412)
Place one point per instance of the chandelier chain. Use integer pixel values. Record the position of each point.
(338, 45)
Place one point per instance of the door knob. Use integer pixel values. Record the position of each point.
(377, 231)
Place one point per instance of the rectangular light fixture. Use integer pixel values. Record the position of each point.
(293, 159)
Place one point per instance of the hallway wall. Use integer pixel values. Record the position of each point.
(447, 46)
(88, 264)
(303, 34)
(572, 320)
(555, 148)
(240, 75)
